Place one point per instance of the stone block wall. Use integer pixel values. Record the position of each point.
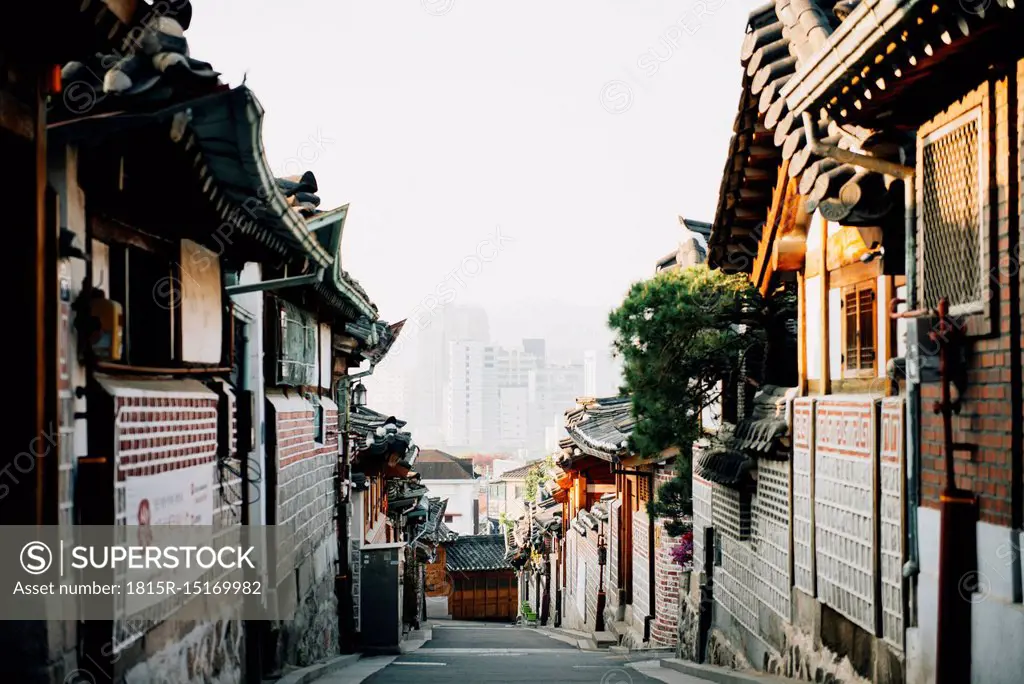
(305, 502)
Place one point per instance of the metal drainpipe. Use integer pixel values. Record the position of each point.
(912, 567)
(907, 175)
(651, 594)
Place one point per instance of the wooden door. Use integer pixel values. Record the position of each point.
(484, 596)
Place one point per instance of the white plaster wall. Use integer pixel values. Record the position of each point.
(460, 494)
(921, 640)
(812, 292)
(997, 624)
(835, 327)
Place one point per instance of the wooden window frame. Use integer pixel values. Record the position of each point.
(857, 289)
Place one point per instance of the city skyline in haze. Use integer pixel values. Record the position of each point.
(507, 176)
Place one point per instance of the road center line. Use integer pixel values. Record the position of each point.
(424, 664)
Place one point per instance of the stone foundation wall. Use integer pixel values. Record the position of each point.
(207, 653)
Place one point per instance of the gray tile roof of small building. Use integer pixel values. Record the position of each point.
(432, 464)
(521, 472)
(601, 427)
(477, 552)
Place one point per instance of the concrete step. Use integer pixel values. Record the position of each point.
(605, 639)
(618, 628)
(720, 675)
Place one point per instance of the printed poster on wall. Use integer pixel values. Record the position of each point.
(181, 497)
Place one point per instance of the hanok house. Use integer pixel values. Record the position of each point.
(481, 581)
(614, 564)
(437, 588)
(147, 346)
(381, 452)
(505, 494)
(692, 249)
(531, 548)
(314, 325)
(34, 43)
(875, 168)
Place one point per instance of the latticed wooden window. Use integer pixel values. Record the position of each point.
(858, 303)
(953, 230)
(644, 489)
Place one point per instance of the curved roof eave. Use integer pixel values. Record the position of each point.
(271, 195)
(329, 226)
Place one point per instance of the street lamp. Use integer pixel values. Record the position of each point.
(359, 395)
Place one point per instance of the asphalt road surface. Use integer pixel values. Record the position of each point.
(463, 653)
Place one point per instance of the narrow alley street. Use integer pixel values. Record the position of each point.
(487, 652)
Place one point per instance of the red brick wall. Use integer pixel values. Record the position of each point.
(665, 629)
(160, 427)
(986, 418)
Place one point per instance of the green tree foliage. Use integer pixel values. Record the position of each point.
(536, 477)
(680, 334)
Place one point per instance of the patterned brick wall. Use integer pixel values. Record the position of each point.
(612, 525)
(665, 629)
(161, 427)
(986, 418)
(588, 552)
(305, 470)
(641, 571)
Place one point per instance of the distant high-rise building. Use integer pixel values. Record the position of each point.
(590, 373)
(514, 417)
(464, 394)
(431, 375)
(536, 349)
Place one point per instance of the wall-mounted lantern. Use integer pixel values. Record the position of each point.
(359, 395)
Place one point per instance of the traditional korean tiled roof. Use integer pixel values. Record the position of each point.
(154, 83)
(599, 428)
(521, 472)
(339, 290)
(154, 70)
(693, 248)
(767, 423)
(435, 531)
(405, 495)
(724, 466)
(477, 553)
(376, 434)
(438, 465)
(782, 37)
(884, 61)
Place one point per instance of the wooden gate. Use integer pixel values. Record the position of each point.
(484, 596)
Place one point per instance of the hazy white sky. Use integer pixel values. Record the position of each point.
(440, 120)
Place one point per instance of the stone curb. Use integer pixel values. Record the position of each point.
(719, 675)
(314, 672)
